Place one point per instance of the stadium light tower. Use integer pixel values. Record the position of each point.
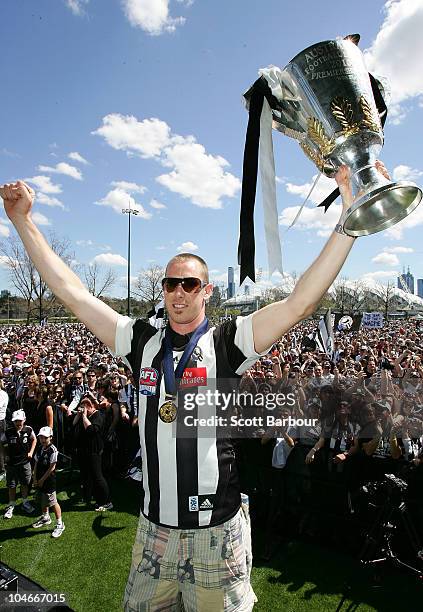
(129, 211)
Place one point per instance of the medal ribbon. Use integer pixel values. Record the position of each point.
(171, 375)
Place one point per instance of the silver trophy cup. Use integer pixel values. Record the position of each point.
(325, 101)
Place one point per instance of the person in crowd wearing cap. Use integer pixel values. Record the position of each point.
(20, 442)
(44, 480)
(4, 400)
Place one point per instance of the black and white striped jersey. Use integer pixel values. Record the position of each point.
(189, 481)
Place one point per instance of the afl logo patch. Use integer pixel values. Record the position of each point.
(148, 381)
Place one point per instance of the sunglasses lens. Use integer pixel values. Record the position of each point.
(170, 284)
(189, 284)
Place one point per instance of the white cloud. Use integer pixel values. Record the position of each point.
(84, 242)
(386, 259)
(76, 6)
(118, 199)
(398, 249)
(194, 173)
(129, 187)
(40, 219)
(161, 248)
(152, 16)
(405, 173)
(4, 230)
(44, 184)
(147, 138)
(187, 247)
(8, 153)
(395, 50)
(396, 232)
(75, 156)
(322, 189)
(42, 198)
(63, 168)
(157, 205)
(197, 175)
(110, 259)
(380, 274)
(124, 279)
(312, 218)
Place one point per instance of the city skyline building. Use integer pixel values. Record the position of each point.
(231, 282)
(420, 287)
(406, 279)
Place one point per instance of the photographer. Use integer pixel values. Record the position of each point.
(88, 426)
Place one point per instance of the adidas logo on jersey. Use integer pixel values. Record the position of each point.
(206, 505)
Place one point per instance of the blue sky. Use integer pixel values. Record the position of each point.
(103, 100)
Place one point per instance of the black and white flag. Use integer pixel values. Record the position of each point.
(324, 335)
(156, 316)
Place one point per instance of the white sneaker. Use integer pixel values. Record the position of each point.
(9, 512)
(29, 508)
(2, 476)
(105, 507)
(58, 530)
(41, 522)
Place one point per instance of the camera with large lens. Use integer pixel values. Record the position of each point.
(391, 487)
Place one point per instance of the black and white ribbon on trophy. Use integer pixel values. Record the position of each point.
(262, 99)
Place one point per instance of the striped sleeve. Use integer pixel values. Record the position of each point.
(53, 455)
(239, 340)
(123, 337)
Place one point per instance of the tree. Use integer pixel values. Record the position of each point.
(340, 295)
(386, 297)
(355, 291)
(98, 279)
(148, 285)
(217, 296)
(24, 276)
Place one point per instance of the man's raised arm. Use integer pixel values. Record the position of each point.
(62, 281)
(273, 321)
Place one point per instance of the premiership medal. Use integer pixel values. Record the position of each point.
(168, 411)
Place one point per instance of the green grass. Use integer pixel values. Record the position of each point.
(90, 562)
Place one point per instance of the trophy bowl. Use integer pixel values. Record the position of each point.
(324, 99)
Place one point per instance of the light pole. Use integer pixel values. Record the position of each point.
(129, 211)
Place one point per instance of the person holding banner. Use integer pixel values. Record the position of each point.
(193, 538)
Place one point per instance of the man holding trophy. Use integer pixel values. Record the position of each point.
(193, 539)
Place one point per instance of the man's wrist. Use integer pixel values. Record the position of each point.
(339, 229)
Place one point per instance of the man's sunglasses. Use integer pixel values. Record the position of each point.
(188, 284)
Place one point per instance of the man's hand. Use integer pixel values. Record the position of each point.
(343, 176)
(310, 456)
(339, 458)
(30, 455)
(18, 199)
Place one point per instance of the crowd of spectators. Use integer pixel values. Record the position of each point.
(360, 415)
(361, 409)
(61, 377)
